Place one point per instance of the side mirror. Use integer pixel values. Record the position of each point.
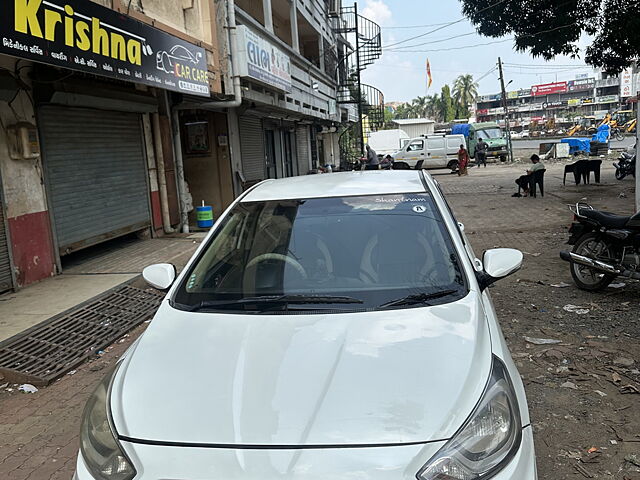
(160, 275)
(498, 263)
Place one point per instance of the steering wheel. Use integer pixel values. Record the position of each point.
(281, 258)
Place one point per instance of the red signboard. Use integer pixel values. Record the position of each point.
(482, 111)
(548, 88)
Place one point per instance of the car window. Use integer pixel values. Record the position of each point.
(372, 248)
(417, 145)
(454, 143)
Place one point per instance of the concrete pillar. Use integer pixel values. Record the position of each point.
(321, 51)
(295, 40)
(268, 15)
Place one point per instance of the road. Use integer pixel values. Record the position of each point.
(533, 143)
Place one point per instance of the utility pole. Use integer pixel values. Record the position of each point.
(637, 163)
(506, 110)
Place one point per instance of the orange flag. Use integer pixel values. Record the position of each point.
(429, 78)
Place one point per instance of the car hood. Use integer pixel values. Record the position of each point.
(367, 378)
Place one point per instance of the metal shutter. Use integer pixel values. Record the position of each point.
(5, 261)
(95, 173)
(303, 150)
(252, 148)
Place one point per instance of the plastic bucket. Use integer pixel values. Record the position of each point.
(204, 216)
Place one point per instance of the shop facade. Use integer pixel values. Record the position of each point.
(87, 140)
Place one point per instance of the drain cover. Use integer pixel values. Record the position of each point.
(57, 345)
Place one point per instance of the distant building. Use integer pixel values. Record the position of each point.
(414, 127)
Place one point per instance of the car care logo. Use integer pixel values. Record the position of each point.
(181, 62)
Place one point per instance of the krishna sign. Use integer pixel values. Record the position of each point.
(84, 36)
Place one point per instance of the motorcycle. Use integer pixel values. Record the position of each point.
(626, 165)
(605, 246)
(617, 134)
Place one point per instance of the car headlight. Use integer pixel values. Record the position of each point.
(100, 449)
(487, 441)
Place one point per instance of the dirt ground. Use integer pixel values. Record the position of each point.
(583, 389)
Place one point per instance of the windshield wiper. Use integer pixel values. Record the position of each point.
(272, 299)
(417, 298)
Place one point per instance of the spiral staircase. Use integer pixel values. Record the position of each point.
(362, 48)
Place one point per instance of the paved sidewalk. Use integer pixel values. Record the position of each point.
(88, 274)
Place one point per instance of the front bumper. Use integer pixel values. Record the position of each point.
(375, 463)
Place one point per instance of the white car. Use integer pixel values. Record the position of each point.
(329, 327)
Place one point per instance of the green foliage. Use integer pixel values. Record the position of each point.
(465, 93)
(547, 28)
(447, 110)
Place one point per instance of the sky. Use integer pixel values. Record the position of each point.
(402, 75)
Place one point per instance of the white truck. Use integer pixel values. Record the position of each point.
(387, 142)
(431, 151)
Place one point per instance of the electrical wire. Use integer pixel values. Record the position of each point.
(444, 25)
(453, 48)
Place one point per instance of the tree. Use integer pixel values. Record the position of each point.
(447, 112)
(547, 28)
(465, 93)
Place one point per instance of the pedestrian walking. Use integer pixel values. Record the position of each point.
(463, 161)
(373, 163)
(481, 153)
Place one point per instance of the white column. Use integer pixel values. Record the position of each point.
(295, 41)
(268, 15)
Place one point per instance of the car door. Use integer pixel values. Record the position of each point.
(413, 152)
(436, 156)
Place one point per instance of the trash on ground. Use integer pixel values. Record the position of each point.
(633, 459)
(72, 372)
(617, 285)
(542, 341)
(560, 285)
(592, 450)
(602, 394)
(27, 388)
(569, 385)
(575, 309)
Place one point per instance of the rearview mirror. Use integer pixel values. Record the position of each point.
(160, 275)
(499, 263)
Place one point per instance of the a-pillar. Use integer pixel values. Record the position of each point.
(268, 15)
(295, 39)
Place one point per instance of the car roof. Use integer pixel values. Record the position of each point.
(339, 184)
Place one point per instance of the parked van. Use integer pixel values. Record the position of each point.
(387, 142)
(431, 151)
(490, 132)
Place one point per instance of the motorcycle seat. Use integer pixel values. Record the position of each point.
(606, 219)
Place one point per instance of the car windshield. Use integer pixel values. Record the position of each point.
(488, 133)
(364, 252)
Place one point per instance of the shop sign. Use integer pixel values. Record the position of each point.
(524, 93)
(581, 85)
(482, 111)
(548, 88)
(82, 35)
(558, 104)
(607, 99)
(512, 94)
(587, 100)
(574, 102)
(262, 61)
(537, 119)
(582, 76)
(626, 83)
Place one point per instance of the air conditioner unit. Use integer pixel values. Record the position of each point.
(335, 6)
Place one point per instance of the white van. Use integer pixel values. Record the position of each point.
(433, 151)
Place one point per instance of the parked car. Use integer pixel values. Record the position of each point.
(329, 326)
(431, 151)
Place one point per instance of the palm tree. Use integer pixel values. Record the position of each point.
(465, 93)
(420, 105)
(433, 107)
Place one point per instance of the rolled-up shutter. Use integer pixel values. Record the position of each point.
(252, 148)
(303, 150)
(5, 261)
(96, 174)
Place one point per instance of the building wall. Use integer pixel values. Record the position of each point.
(26, 205)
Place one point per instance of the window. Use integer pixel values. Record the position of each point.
(436, 143)
(415, 146)
(374, 249)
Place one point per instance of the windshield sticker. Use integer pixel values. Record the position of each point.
(192, 281)
(419, 208)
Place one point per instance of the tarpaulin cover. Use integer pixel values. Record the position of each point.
(578, 144)
(461, 129)
(602, 135)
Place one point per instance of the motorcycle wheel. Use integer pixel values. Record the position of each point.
(619, 136)
(620, 174)
(590, 245)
